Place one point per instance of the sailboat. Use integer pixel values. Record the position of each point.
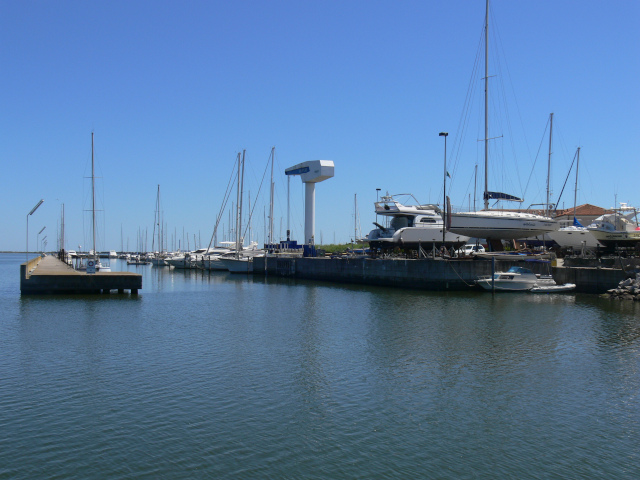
(93, 259)
(239, 263)
(496, 224)
(241, 259)
(159, 258)
(574, 235)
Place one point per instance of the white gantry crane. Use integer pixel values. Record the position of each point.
(311, 172)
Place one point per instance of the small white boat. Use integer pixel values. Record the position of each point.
(513, 280)
(520, 279)
(567, 287)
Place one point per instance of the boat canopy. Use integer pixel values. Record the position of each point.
(519, 270)
(501, 196)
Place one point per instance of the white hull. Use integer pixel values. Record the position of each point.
(567, 287)
(180, 262)
(516, 279)
(500, 225)
(425, 236)
(574, 237)
(238, 265)
(620, 239)
(214, 263)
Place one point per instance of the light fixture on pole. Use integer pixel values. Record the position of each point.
(44, 241)
(26, 267)
(444, 199)
(38, 236)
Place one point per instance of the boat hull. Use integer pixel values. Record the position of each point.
(238, 265)
(574, 238)
(619, 239)
(500, 225)
(425, 237)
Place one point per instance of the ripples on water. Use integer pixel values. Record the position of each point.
(220, 376)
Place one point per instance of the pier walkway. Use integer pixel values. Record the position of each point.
(52, 276)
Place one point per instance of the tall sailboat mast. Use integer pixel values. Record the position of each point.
(575, 192)
(486, 109)
(549, 164)
(273, 149)
(93, 200)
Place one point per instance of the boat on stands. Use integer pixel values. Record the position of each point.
(617, 229)
(411, 226)
(575, 236)
(496, 224)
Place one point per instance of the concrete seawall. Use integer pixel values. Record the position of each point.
(427, 274)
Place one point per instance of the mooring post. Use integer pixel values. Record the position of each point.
(493, 275)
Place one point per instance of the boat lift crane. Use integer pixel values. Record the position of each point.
(311, 172)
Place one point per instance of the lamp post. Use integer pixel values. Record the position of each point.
(26, 267)
(44, 242)
(38, 236)
(444, 199)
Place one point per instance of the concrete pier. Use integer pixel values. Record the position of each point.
(48, 275)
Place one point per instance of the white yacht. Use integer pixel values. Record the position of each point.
(619, 228)
(411, 226)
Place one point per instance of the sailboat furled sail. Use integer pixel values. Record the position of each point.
(497, 224)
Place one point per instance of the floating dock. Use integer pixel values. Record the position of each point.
(48, 275)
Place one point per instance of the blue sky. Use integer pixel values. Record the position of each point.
(174, 90)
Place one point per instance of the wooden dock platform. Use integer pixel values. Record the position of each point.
(48, 275)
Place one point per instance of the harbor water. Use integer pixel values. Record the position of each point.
(243, 377)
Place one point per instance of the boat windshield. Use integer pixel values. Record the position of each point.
(519, 270)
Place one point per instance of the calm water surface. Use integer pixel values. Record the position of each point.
(221, 376)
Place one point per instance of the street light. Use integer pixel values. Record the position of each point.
(44, 241)
(444, 199)
(26, 267)
(38, 236)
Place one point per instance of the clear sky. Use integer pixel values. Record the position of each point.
(174, 90)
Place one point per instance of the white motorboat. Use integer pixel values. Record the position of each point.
(617, 229)
(520, 279)
(411, 226)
